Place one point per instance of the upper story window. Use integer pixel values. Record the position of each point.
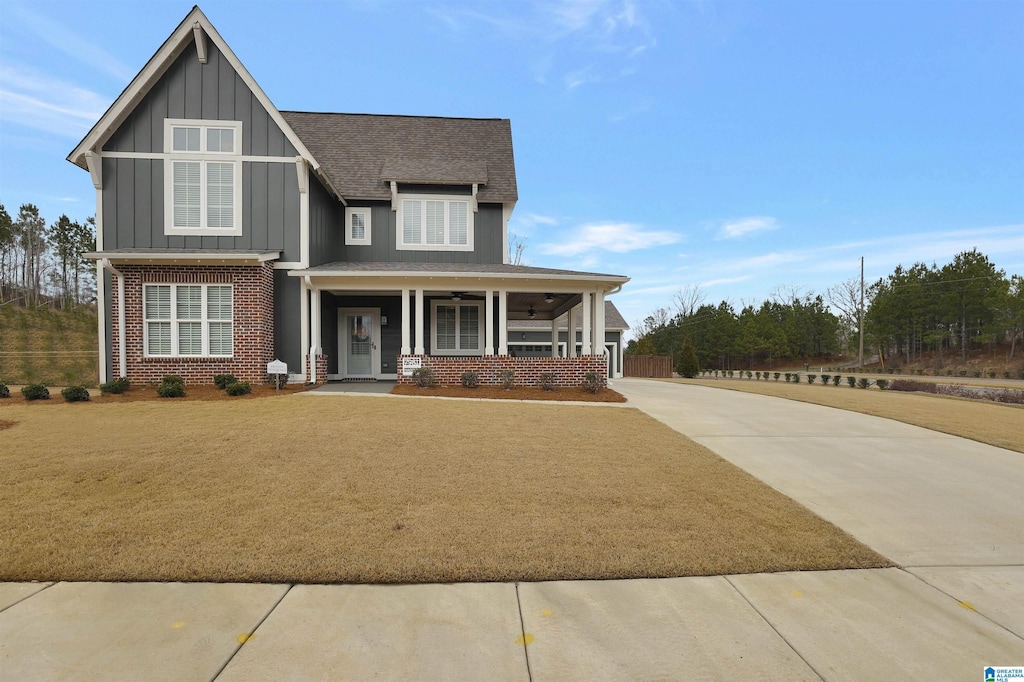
(434, 223)
(357, 226)
(203, 177)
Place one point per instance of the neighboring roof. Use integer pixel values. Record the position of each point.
(613, 320)
(150, 254)
(361, 153)
(495, 269)
(180, 39)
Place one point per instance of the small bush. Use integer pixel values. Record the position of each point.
(547, 381)
(963, 372)
(811, 378)
(1006, 375)
(836, 379)
(171, 390)
(749, 374)
(977, 374)
(882, 384)
(949, 372)
(777, 375)
(758, 376)
(470, 379)
(173, 379)
(116, 386)
(851, 381)
(1020, 374)
(75, 394)
(788, 375)
(4, 391)
(222, 381)
(863, 383)
(591, 382)
(35, 392)
(730, 374)
(507, 378)
(424, 377)
(238, 388)
(826, 379)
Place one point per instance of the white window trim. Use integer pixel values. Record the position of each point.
(173, 320)
(479, 305)
(400, 244)
(368, 213)
(204, 157)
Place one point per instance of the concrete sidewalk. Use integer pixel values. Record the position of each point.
(950, 511)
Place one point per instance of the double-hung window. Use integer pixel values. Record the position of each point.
(357, 226)
(203, 177)
(187, 319)
(434, 223)
(457, 329)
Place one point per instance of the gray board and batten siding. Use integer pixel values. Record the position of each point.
(133, 189)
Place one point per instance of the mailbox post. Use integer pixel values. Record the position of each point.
(277, 369)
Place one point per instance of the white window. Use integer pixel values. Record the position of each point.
(187, 319)
(203, 177)
(357, 226)
(434, 223)
(458, 329)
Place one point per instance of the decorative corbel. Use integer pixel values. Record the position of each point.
(95, 165)
(394, 195)
(476, 206)
(303, 175)
(200, 37)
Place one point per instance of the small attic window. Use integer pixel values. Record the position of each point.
(357, 226)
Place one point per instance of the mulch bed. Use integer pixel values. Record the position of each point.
(603, 395)
(148, 392)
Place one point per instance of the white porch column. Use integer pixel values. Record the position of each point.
(502, 322)
(570, 346)
(101, 312)
(314, 347)
(489, 324)
(406, 324)
(587, 336)
(554, 337)
(599, 348)
(421, 316)
(304, 323)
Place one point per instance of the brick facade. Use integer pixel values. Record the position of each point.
(321, 369)
(568, 372)
(252, 327)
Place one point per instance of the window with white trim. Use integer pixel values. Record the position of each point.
(434, 223)
(457, 329)
(187, 319)
(357, 226)
(203, 177)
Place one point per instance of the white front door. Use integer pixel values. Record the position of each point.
(359, 342)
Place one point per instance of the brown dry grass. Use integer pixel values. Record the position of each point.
(603, 395)
(997, 424)
(357, 489)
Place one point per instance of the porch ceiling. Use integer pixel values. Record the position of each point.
(519, 303)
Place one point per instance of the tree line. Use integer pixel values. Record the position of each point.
(41, 264)
(959, 306)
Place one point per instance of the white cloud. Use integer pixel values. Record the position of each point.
(745, 226)
(614, 237)
(35, 100)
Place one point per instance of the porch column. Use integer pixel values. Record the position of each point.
(420, 318)
(599, 348)
(406, 324)
(502, 322)
(570, 346)
(587, 336)
(314, 348)
(554, 337)
(101, 312)
(304, 323)
(489, 325)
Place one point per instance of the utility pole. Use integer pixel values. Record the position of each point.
(860, 353)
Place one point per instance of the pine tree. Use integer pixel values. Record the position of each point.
(687, 365)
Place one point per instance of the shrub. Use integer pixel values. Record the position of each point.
(221, 381)
(758, 376)
(836, 379)
(171, 390)
(1020, 374)
(851, 381)
(238, 388)
(788, 375)
(35, 392)
(75, 394)
(826, 379)
(963, 372)
(687, 365)
(913, 386)
(507, 377)
(991, 374)
(591, 382)
(470, 379)
(4, 391)
(882, 384)
(424, 377)
(777, 375)
(918, 372)
(173, 379)
(547, 380)
(1006, 375)
(749, 374)
(863, 383)
(730, 374)
(115, 386)
(811, 378)
(977, 374)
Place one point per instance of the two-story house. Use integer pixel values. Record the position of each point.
(349, 246)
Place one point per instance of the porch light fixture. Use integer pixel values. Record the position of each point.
(531, 313)
(549, 298)
(456, 296)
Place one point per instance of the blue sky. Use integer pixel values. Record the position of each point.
(743, 147)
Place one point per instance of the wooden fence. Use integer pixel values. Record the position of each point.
(657, 366)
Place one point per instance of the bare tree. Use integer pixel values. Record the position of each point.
(688, 299)
(516, 249)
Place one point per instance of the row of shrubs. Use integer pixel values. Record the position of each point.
(794, 377)
(171, 386)
(976, 373)
(424, 378)
(1014, 397)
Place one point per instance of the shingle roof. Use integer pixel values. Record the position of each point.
(361, 152)
(457, 268)
(612, 320)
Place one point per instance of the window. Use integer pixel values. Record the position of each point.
(203, 177)
(187, 319)
(357, 226)
(434, 223)
(457, 329)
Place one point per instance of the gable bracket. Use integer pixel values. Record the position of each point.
(300, 169)
(93, 161)
(476, 206)
(394, 195)
(200, 36)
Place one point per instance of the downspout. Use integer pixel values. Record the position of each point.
(122, 355)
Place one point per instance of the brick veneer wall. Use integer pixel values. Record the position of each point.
(568, 371)
(321, 369)
(252, 327)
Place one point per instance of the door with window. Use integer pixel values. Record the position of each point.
(359, 342)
